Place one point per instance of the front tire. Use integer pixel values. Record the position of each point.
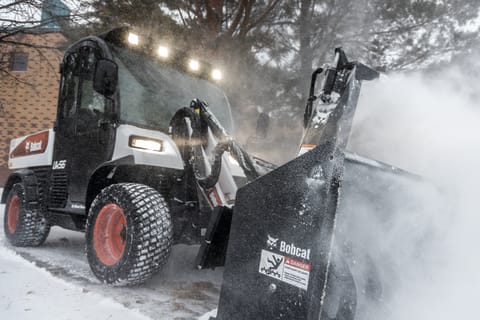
(23, 227)
(129, 234)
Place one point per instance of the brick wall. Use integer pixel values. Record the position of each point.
(28, 103)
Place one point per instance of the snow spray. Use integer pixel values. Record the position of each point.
(429, 125)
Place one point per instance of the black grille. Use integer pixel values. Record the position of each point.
(58, 189)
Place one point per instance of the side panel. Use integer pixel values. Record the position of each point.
(33, 150)
(279, 245)
(169, 157)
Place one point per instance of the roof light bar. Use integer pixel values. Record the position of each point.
(194, 65)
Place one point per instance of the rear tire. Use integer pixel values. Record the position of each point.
(129, 234)
(24, 227)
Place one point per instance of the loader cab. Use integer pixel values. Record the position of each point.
(108, 83)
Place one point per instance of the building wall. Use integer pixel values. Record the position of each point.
(28, 102)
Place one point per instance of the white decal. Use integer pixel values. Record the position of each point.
(296, 273)
(271, 242)
(291, 249)
(60, 164)
(285, 269)
(78, 206)
(35, 146)
(294, 251)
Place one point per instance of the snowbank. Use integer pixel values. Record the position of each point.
(29, 292)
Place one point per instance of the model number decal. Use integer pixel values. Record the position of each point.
(59, 164)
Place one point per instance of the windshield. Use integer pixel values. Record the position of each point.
(151, 92)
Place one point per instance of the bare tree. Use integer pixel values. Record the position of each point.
(222, 23)
(389, 34)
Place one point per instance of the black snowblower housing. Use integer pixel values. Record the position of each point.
(282, 261)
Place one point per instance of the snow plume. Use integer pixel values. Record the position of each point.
(427, 254)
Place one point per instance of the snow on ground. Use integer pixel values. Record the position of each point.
(54, 281)
(28, 292)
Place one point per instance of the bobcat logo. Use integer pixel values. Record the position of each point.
(271, 242)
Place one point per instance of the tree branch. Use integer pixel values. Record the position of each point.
(265, 14)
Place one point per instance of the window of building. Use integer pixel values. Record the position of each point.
(19, 61)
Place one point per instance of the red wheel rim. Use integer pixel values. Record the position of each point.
(109, 234)
(13, 214)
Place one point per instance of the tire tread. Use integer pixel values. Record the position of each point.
(154, 232)
(32, 228)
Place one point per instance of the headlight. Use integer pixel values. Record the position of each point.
(163, 52)
(133, 38)
(145, 143)
(217, 74)
(193, 65)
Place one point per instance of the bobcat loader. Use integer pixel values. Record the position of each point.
(137, 173)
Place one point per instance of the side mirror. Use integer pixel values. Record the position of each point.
(106, 77)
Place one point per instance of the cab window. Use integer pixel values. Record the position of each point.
(81, 107)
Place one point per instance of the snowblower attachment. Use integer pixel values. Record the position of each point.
(279, 259)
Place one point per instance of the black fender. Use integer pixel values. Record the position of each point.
(29, 180)
(125, 170)
(102, 178)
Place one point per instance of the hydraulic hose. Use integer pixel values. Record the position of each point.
(192, 135)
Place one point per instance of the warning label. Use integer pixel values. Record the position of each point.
(271, 264)
(296, 273)
(285, 269)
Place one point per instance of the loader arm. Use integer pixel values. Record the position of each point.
(289, 215)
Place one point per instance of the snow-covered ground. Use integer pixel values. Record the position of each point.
(29, 292)
(54, 282)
